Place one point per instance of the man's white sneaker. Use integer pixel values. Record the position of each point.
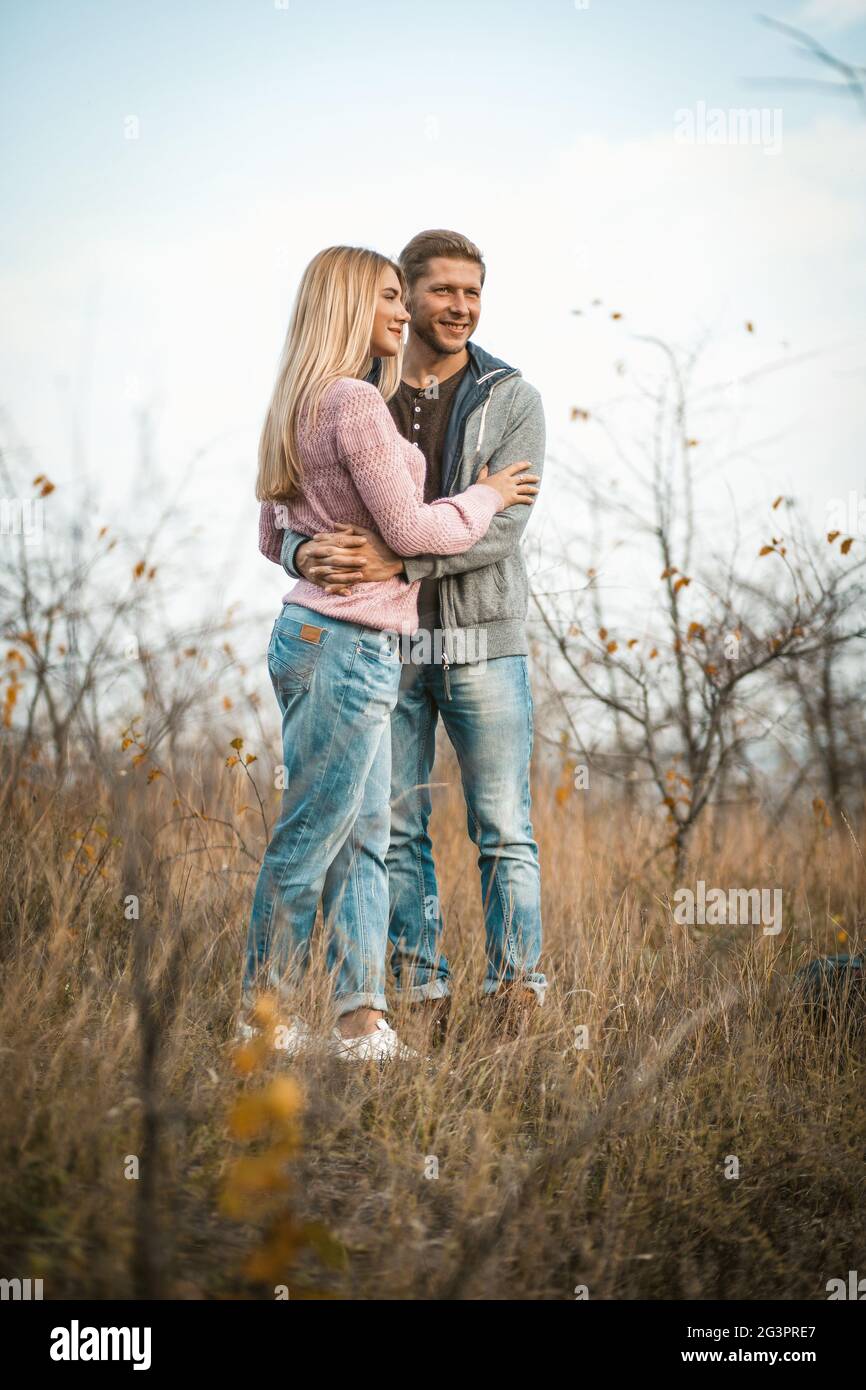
(383, 1045)
(291, 1037)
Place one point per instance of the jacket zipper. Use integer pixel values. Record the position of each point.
(446, 660)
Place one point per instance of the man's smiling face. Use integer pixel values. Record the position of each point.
(445, 303)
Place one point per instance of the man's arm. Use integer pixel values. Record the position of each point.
(291, 541)
(524, 439)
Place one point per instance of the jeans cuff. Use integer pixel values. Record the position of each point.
(434, 989)
(345, 1003)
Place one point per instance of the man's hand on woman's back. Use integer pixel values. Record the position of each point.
(348, 555)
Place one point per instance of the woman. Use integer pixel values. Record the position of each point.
(330, 451)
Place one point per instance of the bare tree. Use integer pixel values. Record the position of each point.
(683, 703)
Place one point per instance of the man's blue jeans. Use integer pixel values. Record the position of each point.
(489, 721)
(336, 684)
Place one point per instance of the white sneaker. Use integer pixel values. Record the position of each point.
(291, 1037)
(383, 1045)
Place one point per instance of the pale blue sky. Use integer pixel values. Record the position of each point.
(160, 270)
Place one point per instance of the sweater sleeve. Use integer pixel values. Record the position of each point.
(371, 448)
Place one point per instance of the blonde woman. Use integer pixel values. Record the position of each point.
(330, 452)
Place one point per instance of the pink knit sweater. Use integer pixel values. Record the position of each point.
(358, 468)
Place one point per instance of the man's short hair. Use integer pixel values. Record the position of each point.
(426, 245)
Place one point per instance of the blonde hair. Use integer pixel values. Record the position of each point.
(328, 337)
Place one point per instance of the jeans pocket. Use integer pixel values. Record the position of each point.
(381, 647)
(294, 652)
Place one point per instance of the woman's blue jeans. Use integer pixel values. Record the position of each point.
(336, 684)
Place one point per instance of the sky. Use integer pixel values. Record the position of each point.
(170, 168)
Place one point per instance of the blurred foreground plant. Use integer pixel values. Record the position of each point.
(258, 1185)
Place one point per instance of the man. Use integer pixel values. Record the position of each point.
(465, 410)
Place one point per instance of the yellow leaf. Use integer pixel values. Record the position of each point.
(284, 1098)
(237, 743)
(846, 545)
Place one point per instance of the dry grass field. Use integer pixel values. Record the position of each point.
(142, 1154)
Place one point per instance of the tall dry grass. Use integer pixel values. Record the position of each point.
(558, 1166)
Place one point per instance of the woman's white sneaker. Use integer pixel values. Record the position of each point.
(382, 1045)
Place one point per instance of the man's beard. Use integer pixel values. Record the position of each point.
(429, 339)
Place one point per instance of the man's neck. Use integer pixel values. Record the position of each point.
(420, 362)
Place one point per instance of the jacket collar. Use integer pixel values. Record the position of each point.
(484, 369)
(485, 372)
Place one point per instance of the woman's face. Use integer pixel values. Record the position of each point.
(390, 317)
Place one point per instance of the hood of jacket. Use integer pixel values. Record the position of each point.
(485, 372)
